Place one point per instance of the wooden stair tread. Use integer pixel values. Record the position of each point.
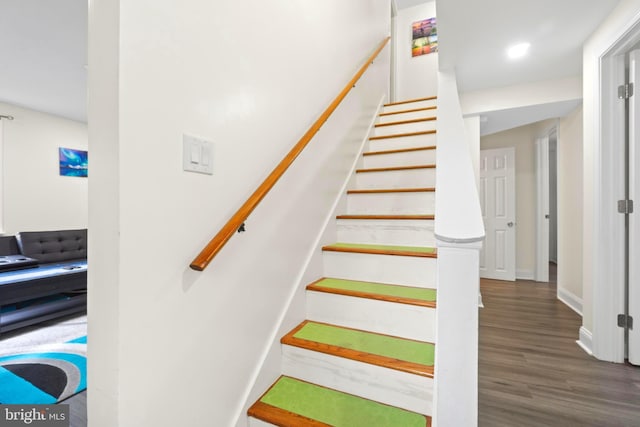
(409, 101)
(414, 251)
(290, 402)
(388, 217)
(393, 190)
(406, 122)
(401, 135)
(396, 168)
(412, 110)
(401, 354)
(410, 295)
(400, 150)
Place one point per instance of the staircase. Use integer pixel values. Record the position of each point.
(365, 354)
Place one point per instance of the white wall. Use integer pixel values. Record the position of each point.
(171, 346)
(472, 125)
(523, 95)
(104, 354)
(415, 76)
(508, 107)
(570, 211)
(36, 197)
(523, 139)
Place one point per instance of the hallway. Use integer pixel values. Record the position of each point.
(532, 372)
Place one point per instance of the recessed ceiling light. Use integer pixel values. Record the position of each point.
(518, 51)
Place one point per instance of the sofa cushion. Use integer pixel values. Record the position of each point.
(9, 245)
(53, 246)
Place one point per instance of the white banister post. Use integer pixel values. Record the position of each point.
(456, 366)
(459, 231)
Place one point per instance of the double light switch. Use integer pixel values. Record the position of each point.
(197, 155)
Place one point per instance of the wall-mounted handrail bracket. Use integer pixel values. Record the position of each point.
(242, 228)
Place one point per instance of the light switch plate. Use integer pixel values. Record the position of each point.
(197, 155)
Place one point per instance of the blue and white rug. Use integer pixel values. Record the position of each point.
(44, 373)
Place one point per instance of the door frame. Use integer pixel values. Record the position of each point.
(607, 266)
(632, 291)
(542, 209)
(553, 198)
(541, 273)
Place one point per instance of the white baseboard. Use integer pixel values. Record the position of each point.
(525, 275)
(570, 300)
(586, 341)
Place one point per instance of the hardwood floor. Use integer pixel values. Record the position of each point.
(532, 372)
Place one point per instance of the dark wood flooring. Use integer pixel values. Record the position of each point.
(532, 372)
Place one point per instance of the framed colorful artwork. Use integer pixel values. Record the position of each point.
(425, 37)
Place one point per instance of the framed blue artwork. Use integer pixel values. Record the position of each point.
(73, 162)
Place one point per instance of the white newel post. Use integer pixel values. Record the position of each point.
(456, 367)
(459, 231)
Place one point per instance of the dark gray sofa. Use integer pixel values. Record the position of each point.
(43, 276)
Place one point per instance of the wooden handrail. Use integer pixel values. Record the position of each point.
(229, 229)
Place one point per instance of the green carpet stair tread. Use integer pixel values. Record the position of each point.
(379, 291)
(401, 354)
(291, 402)
(417, 251)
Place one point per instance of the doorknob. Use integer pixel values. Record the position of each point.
(510, 224)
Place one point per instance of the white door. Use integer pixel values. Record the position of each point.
(634, 220)
(498, 200)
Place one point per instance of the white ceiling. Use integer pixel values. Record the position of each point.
(403, 4)
(44, 46)
(473, 36)
(44, 51)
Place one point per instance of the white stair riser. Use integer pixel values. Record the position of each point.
(421, 157)
(392, 269)
(383, 317)
(402, 142)
(407, 178)
(408, 116)
(409, 106)
(405, 128)
(391, 203)
(407, 391)
(386, 232)
(254, 422)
